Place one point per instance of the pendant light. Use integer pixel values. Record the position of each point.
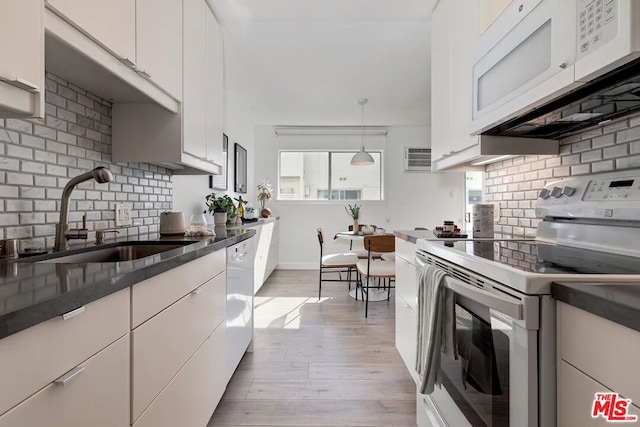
(362, 158)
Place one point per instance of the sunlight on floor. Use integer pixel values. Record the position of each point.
(281, 312)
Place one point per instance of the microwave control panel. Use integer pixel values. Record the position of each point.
(597, 24)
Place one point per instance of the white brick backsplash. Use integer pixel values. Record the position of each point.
(615, 146)
(19, 178)
(35, 141)
(38, 157)
(19, 152)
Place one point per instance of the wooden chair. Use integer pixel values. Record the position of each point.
(362, 254)
(335, 263)
(372, 268)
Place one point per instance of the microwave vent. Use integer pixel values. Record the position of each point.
(417, 159)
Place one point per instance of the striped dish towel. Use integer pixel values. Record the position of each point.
(436, 326)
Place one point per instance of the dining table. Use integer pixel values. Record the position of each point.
(374, 294)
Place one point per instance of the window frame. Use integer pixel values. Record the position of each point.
(329, 188)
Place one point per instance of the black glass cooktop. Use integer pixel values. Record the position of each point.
(540, 257)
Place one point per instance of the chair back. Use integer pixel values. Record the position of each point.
(380, 243)
(320, 236)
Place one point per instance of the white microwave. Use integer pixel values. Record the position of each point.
(539, 50)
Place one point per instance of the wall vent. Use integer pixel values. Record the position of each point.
(417, 159)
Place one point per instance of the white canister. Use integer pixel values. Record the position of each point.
(482, 220)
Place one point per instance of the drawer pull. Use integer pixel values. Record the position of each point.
(21, 84)
(73, 313)
(66, 378)
(196, 291)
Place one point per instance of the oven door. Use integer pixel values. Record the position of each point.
(526, 58)
(494, 381)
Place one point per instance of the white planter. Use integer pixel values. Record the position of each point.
(220, 218)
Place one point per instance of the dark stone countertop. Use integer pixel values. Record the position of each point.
(31, 293)
(619, 303)
(413, 235)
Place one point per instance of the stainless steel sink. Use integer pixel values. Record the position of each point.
(118, 252)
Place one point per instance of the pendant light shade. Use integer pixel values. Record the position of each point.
(362, 158)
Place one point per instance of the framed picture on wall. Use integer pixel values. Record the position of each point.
(219, 182)
(240, 166)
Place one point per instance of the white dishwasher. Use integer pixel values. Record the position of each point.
(239, 303)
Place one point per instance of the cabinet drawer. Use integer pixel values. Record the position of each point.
(576, 392)
(604, 350)
(406, 335)
(407, 283)
(61, 344)
(405, 250)
(157, 293)
(98, 396)
(161, 346)
(193, 394)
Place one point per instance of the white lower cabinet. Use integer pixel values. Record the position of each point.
(161, 346)
(266, 255)
(406, 304)
(95, 393)
(595, 355)
(193, 394)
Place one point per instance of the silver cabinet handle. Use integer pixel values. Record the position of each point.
(128, 62)
(73, 313)
(143, 73)
(563, 65)
(66, 378)
(196, 291)
(21, 83)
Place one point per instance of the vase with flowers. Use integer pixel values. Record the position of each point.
(354, 213)
(265, 193)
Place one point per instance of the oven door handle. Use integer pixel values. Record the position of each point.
(508, 306)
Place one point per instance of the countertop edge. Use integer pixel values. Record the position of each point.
(19, 320)
(412, 236)
(583, 296)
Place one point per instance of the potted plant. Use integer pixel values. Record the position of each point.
(265, 193)
(220, 207)
(354, 213)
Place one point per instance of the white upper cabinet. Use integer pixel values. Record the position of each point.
(22, 64)
(214, 90)
(112, 23)
(194, 107)
(159, 43)
(453, 35)
(489, 12)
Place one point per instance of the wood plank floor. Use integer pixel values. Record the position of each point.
(318, 362)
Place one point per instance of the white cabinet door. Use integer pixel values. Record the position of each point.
(440, 80)
(94, 393)
(194, 102)
(454, 33)
(214, 89)
(110, 22)
(22, 64)
(159, 43)
(406, 335)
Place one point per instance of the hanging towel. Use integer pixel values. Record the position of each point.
(436, 326)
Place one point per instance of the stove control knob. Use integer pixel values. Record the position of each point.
(568, 191)
(544, 194)
(556, 192)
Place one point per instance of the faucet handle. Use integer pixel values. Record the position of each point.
(100, 235)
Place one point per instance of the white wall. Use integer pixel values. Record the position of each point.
(412, 199)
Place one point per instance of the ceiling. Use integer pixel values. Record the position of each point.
(307, 62)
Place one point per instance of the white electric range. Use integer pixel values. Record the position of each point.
(505, 317)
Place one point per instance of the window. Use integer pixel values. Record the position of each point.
(328, 175)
